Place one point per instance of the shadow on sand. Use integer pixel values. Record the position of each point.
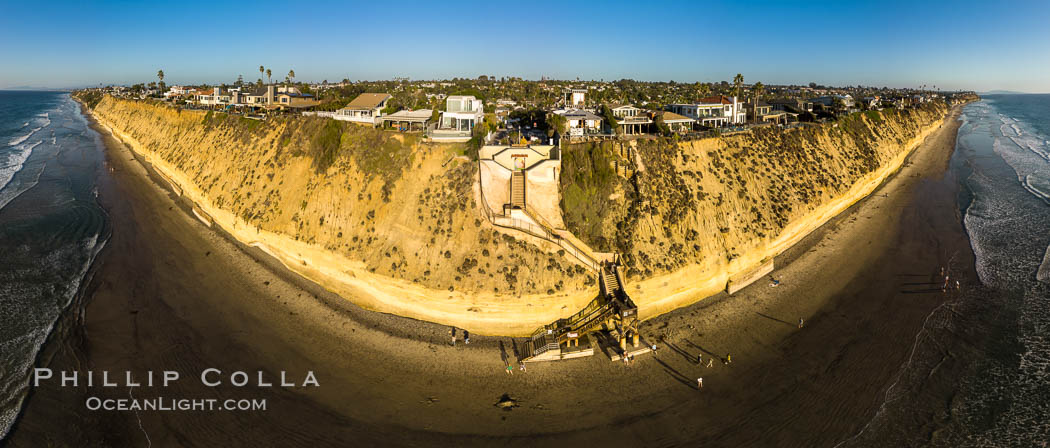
(775, 319)
(678, 376)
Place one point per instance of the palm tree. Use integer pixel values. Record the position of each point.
(291, 75)
(160, 74)
(759, 88)
(268, 73)
(738, 82)
(261, 71)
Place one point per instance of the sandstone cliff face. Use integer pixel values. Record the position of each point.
(392, 224)
(401, 207)
(666, 205)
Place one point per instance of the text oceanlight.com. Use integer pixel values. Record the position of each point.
(179, 404)
(149, 380)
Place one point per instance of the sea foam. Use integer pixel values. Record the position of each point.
(1043, 274)
(19, 140)
(45, 122)
(14, 162)
(1038, 186)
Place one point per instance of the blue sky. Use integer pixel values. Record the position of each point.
(950, 44)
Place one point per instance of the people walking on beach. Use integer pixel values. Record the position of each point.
(800, 322)
(699, 358)
(710, 363)
(700, 383)
(466, 337)
(729, 359)
(452, 333)
(654, 349)
(510, 369)
(957, 286)
(521, 365)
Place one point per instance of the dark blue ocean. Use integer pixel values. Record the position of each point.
(51, 227)
(979, 372)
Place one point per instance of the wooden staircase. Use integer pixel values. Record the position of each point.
(612, 310)
(517, 190)
(609, 277)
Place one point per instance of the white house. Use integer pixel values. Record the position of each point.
(177, 91)
(257, 97)
(575, 97)
(216, 98)
(675, 122)
(462, 113)
(627, 111)
(366, 108)
(581, 122)
(631, 119)
(713, 111)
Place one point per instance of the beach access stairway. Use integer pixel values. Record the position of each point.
(612, 310)
(517, 190)
(535, 225)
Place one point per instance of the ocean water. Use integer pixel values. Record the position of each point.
(979, 372)
(51, 227)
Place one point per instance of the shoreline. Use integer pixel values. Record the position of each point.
(500, 316)
(412, 388)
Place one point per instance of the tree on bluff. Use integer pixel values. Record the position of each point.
(610, 120)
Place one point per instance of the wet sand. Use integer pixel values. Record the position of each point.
(171, 294)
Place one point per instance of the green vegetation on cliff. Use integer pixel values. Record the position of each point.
(709, 201)
(588, 180)
(399, 206)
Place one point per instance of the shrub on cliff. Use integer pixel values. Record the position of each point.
(90, 98)
(324, 146)
(587, 180)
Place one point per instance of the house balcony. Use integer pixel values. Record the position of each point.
(449, 135)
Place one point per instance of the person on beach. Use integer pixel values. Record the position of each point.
(452, 333)
(466, 337)
(957, 286)
(710, 363)
(699, 358)
(800, 322)
(654, 349)
(510, 369)
(700, 383)
(729, 359)
(521, 365)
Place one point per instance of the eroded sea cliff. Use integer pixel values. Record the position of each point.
(391, 224)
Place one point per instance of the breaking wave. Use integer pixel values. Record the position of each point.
(12, 163)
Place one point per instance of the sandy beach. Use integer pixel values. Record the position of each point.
(169, 293)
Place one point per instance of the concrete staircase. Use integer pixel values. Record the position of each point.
(517, 190)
